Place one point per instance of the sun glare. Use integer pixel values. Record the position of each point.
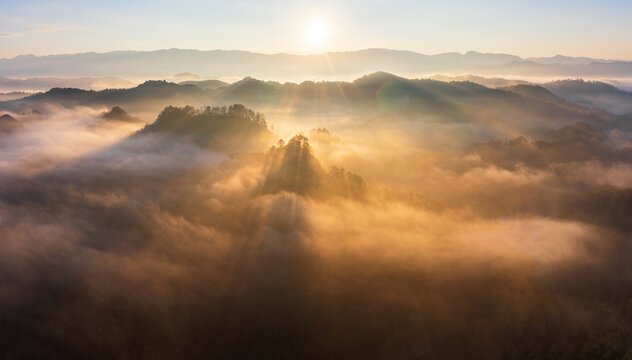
(317, 31)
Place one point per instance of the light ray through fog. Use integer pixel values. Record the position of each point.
(201, 214)
(315, 194)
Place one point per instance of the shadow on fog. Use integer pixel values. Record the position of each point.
(197, 238)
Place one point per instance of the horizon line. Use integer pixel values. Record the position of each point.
(316, 53)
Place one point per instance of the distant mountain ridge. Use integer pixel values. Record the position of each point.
(45, 83)
(150, 94)
(567, 60)
(281, 66)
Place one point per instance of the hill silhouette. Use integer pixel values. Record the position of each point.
(150, 95)
(529, 110)
(205, 84)
(540, 93)
(118, 114)
(573, 143)
(593, 94)
(524, 109)
(45, 83)
(8, 124)
(227, 129)
(293, 167)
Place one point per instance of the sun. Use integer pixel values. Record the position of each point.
(317, 31)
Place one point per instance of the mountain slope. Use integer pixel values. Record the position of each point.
(149, 96)
(45, 83)
(593, 94)
(205, 84)
(385, 95)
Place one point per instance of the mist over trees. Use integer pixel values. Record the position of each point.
(380, 218)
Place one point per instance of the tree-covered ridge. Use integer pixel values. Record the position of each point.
(232, 128)
(292, 167)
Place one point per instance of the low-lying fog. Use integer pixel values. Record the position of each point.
(481, 230)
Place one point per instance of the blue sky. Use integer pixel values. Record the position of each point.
(526, 28)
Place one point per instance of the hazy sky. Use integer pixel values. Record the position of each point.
(527, 28)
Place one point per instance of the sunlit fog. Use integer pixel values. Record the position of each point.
(213, 201)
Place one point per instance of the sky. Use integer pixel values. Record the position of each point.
(599, 29)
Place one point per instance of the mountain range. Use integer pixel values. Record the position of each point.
(46, 83)
(429, 107)
(284, 67)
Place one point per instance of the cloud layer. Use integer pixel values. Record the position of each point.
(203, 236)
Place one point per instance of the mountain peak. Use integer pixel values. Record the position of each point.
(8, 124)
(293, 168)
(7, 117)
(377, 77)
(156, 84)
(117, 113)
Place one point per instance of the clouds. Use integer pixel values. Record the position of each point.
(44, 142)
(163, 244)
(49, 29)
